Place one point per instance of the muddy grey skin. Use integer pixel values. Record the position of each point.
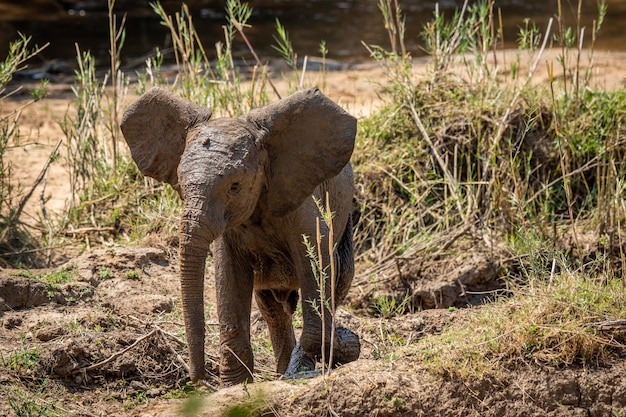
(247, 185)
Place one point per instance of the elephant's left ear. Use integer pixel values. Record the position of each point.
(309, 140)
(155, 128)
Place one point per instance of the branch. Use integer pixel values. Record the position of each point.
(115, 355)
(611, 325)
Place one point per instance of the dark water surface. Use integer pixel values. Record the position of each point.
(343, 24)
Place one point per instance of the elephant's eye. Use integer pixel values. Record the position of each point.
(234, 189)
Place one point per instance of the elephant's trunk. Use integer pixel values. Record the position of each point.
(196, 235)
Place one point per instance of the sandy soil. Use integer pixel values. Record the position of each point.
(120, 310)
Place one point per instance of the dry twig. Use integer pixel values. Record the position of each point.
(115, 355)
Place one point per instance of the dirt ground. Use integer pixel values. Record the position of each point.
(100, 335)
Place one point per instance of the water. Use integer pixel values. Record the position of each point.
(342, 24)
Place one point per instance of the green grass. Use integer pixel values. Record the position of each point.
(105, 273)
(61, 276)
(24, 405)
(134, 274)
(135, 400)
(387, 307)
(23, 360)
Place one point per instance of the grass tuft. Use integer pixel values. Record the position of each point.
(565, 320)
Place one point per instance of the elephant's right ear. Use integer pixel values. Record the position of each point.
(155, 128)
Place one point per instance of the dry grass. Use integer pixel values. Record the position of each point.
(568, 319)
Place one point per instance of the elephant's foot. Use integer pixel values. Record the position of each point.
(202, 386)
(346, 349)
(234, 378)
(236, 364)
(347, 346)
(300, 365)
(197, 373)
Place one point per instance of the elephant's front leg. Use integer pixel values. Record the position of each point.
(234, 281)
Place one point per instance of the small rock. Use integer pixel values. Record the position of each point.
(163, 304)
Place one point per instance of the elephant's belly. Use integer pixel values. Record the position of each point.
(273, 275)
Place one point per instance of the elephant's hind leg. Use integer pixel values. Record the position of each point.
(344, 259)
(277, 308)
(347, 345)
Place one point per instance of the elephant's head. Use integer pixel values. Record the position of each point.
(267, 161)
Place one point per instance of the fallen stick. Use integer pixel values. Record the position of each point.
(115, 355)
(611, 325)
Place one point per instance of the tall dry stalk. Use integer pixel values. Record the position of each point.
(117, 36)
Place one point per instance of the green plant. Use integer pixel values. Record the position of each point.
(117, 36)
(105, 273)
(185, 391)
(24, 360)
(324, 52)
(82, 127)
(387, 307)
(283, 46)
(134, 274)
(53, 279)
(442, 40)
(529, 37)
(25, 404)
(135, 400)
(395, 24)
(397, 403)
(61, 276)
(325, 275)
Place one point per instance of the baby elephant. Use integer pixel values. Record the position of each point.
(248, 185)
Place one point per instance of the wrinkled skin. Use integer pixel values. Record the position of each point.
(247, 185)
